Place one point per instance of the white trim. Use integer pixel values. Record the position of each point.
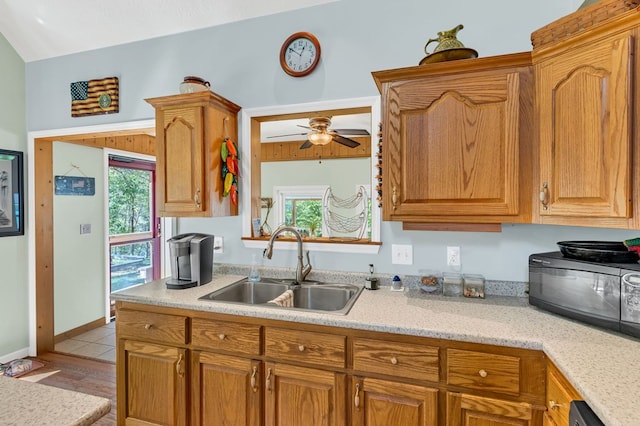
(21, 353)
(280, 193)
(246, 115)
(31, 137)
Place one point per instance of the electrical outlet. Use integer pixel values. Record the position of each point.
(218, 245)
(453, 256)
(85, 228)
(401, 254)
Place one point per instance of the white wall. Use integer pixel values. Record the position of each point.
(79, 270)
(14, 318)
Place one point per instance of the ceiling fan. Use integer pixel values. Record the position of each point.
(321, 134)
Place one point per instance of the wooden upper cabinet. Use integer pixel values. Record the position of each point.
(190, 129)
(585, 118)
(457, 141)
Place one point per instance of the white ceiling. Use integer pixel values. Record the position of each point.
(41, 29)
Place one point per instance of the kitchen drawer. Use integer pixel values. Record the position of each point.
(396, 359)
(226, 336)
(483, 371)
(559, 396)
(163, 328)
(304, 346)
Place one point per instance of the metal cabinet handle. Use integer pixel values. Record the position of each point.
(356, 397)
(148, 326)
(483, 373)
(394, 360)
(544, 196)
(301, 348)
(254, 386)
(394, 197)
(196, 198)
(554, 405)
(221, 336)
(179, 369)
(268, 381)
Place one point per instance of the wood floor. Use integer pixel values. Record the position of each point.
(82, 375)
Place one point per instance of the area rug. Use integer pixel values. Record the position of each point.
(19, 367)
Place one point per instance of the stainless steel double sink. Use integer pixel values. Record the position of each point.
(312, 296)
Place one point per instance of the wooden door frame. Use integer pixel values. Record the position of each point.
(135, 136)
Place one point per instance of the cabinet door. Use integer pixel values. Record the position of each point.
(472, 410)
(585, 107)
(453, 147)
(180, 160)
(304, 396)
(226, 390)
(381, 402)
(154, 384)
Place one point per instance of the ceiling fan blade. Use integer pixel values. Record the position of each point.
(291, 134)
(346, 141)
(305, 127)
(350, 132)
(306, 144)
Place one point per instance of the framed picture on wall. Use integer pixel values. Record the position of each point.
(11, 193)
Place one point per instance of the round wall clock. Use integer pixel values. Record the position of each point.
(300, 54)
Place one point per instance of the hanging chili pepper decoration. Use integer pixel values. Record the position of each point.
(230, 169)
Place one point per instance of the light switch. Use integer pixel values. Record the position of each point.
(402, 254)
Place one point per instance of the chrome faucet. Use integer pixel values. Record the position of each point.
(301, 270)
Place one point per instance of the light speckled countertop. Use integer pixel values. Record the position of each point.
(28, 403)
(603, 366)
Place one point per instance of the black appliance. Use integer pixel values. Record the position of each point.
(580, 414)
(602, 294)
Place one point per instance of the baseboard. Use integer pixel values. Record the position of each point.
(14, 355)
(69, 334)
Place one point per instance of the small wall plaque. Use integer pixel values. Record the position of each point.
(75, 185)
(94, 97)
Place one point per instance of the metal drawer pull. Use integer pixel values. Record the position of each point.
(554, 405)
(196, 198)
(356, 397)
(301, 348)
(148, 326)
(179, 368)
(394, 360)
(544, 196)
(483, 373)
(221, 336)
(268, 381)
(253, 379)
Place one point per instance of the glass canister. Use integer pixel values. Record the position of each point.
(473, 285)
(452, 284)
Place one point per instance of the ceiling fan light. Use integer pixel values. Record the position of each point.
(320, 138)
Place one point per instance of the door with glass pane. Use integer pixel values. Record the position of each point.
(134, 229)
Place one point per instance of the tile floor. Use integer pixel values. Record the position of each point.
(99, 343)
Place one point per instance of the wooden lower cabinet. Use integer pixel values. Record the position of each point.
(474, 410)
(225, 390)
(152, 385)
(383, 402)
(181, 367)
(304, 396)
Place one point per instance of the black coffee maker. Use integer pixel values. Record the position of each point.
(191, 260)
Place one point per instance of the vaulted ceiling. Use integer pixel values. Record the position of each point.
(41, 29)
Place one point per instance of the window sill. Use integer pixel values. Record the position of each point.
(317, 244)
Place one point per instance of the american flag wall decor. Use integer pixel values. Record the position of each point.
(94, 97)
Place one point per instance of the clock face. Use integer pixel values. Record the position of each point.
(300, 54)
